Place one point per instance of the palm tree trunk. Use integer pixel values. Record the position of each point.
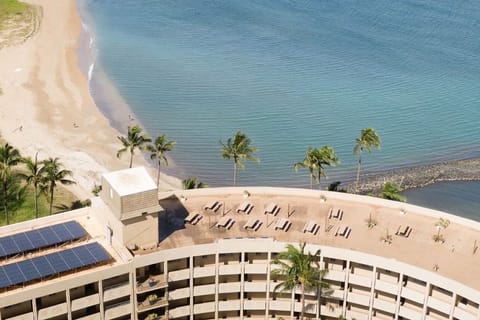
(5, 207)
(131, 159)
(51, 199)
(158, 175)
(358, 169)
(35, 200)
(311, 181)
(234, 174)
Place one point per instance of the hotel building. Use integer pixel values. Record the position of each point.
(207, 254)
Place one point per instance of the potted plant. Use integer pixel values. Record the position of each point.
(152, 298)
(151, 282)
(151, 316)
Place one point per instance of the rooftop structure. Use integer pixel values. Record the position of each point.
(211, 256)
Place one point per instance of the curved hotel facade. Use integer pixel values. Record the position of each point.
(207, 253)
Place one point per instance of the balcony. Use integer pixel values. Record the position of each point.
(464, 315)
(25, 316)
(335, 275)
(384, 305)
(118, 310)
(116, 292)
(439, 305)
(360, 280)
(228, 305)
(408, 313)
(255, 286)
(386, 287)
(53, 311)
(255, 268)
(84, 302)
(204, 290)
(254, 304)
(413, 295)
(152, 283)
(361, 299)
(152, 302)
(229, 269)
(177, 294)
(199, 272)
(179, 275)
(182, 311)
(230, 287)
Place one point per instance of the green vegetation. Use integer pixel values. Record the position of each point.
(315, 160)
(21, 179)
(441, 224)
(158, 150)
(238, 148)
(11, 8)
(295, 268)
(135, 139)
(368, 139)
(392, 192)
(193, 183)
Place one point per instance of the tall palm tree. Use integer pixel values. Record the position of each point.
(441, 224)
(238, 148)
(310, 162)
(158, 150)
(9, 158)
(368, 139)
(134, 139)
(392, 192)
(299, 269)
(193, 183)
(34, 176)
(316, 160)
(54, 173)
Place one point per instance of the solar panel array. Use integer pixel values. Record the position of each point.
(40, 238)
(52, 264)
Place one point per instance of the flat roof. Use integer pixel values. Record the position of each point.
(130, 181)
(410, 228)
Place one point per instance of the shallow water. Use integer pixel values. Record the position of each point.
(459, 198)
(293, 74)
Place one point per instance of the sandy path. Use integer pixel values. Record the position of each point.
(46, 106)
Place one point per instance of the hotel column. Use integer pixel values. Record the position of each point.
(216, 282)
(346, 272)
(69, 304)
(34, 309)
(242, 283)
(372, 292)
(399, 294)
(267, 298)
(192, 295)
(100, 296)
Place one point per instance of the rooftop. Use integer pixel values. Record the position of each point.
(130, 181)
(397, 230)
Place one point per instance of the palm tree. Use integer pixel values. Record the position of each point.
(309, 162)
(299, 269)
(442, 223)
(134, 139)
(368, 139)
(238, 148)
(9, 158)
(315, 160)
(34, 176)
(392, 192)
(158, 150)
(193, 183)
(54, 173)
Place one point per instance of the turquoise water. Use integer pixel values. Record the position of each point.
(292, 74)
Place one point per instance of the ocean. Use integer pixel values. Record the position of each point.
(290, 74)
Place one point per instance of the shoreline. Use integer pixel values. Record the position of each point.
(48, 94)
(47, 106)
(420, 175)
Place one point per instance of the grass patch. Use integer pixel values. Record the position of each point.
(10, 9)
(62, 197)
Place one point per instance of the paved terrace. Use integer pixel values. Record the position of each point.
(456, 258)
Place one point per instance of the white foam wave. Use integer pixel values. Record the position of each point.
(90, 71)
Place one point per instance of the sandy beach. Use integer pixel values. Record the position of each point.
(47, 107)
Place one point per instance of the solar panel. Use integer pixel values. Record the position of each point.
(52, 264)
(40, 238)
